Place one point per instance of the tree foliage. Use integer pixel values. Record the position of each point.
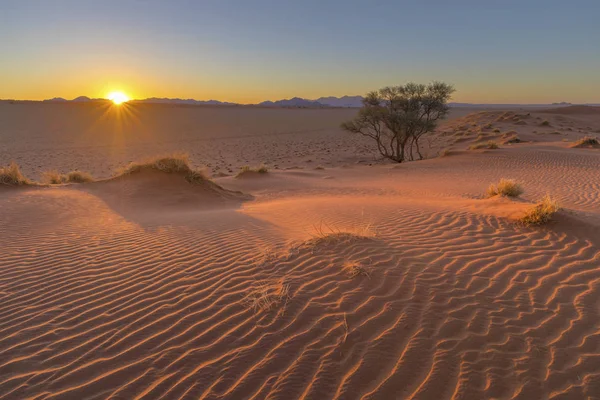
(397, 117)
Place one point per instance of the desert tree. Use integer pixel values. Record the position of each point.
(397, 117)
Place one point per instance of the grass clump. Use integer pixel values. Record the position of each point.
(487, 145)
(354, 269)
(506, 187)
(175, 163)
(55, 178)
(267, 296)
(545, 123)
(541, 213)
(11, 175)
(587, 141)
(78, 177)
(246, 169)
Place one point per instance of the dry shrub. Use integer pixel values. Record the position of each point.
(53, 177)
(267, 296)
(325, 234)
(506, 187)
(354, 269)
(545, 123)
(246, 169)
(541, 213)
(488, 145)
(445, 153)
(587, 141)
(174, 163)
(78, 177)
(11, 175)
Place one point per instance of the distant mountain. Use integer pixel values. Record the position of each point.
(81, 98)
(164, 100)
(56, 99)
(294, 102)
(344, 101)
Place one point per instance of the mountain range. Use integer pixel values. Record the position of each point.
(295, 102)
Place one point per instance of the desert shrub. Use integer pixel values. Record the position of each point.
(78, 177)
(53, 177)
(496, 130)
(246, 169)
(513, 139)
(506, 187)
(545, 123)
(267, 296)
(487, 145)
(587, 141)
(354, 269)
(542, 212)
(11, 175)
(397, 117)
(174, 163)
(445, 152)
(178, 162)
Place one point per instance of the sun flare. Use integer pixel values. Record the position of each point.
(117, 97)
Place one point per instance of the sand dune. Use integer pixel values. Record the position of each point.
(145, 285)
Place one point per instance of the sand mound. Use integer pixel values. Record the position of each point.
(573, 110)
(149, 189)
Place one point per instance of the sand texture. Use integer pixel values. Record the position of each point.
(344, 282)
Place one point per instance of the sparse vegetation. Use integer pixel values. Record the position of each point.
(54, 177)
(513, 139)
(325, 234)
(587, 141)
(505, 187)
(541, 213)
(175, 163)
(496, 130)
(79, 177)
(354, 269)
(246, 169)
(397, 117)
(545, 123)
(267, 296)
(487, 145)
(445, 153)
(11, 175)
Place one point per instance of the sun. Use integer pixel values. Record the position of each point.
(117, 97)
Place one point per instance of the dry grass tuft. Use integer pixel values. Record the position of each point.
(246, 169)
(506, 187)
(174, 163)
(79, 177)
(488, 145)
(587, 141)
(267, 296)
(11, 175)
(545, 123)
(445, 153)
(354, 269)
(541, 213)
(55, 178)
(325, 234)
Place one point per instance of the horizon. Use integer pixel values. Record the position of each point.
(58, 99)
(234, 52)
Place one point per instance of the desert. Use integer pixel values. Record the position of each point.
(328, 274)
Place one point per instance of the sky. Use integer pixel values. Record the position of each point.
(247, 51)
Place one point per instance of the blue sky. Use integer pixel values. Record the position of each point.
(247, 51)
